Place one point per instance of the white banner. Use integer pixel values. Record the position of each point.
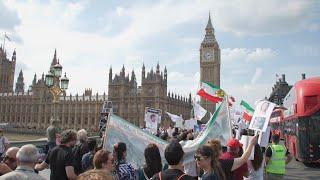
(120, 130)
(189, 124)
(173, 117)
(199, 112)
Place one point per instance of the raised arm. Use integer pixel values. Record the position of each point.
(245, 156)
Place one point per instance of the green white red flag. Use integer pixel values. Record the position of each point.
(248, 111)
(211, 92)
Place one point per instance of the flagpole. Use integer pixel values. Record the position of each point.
(4, 41)
(229, 116)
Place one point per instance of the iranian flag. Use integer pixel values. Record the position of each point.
(211, 92)
(248, 112)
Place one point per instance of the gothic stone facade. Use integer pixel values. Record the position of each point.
(31, 111)
(7, 69)
(129, 100)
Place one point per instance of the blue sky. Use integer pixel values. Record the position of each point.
(258, 39)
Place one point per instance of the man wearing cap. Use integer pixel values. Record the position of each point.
(233, 151)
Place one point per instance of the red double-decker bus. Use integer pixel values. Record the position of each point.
(277, 122)
(302, 120)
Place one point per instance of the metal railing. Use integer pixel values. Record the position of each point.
(41, 143)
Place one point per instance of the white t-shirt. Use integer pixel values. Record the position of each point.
(3, 141)
(255, 175)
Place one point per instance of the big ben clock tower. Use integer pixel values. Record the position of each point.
(209, 63)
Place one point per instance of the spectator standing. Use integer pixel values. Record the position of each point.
(52, 133)
(104, 160)
(153, 162)
(255, 166)
(9, 162)
(4, 143)
(60, 158)
(87, 159)
(124, 170)
(277, 157)
(174, 156)
(208, 162)
(234, 148)
(27, 158)
(79, 150)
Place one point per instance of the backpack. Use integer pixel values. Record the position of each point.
(179, 178)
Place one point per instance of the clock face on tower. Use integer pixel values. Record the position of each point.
(208, 56)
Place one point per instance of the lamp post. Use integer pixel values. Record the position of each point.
(55, 84)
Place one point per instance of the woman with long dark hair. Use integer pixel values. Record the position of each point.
(124, 170)
(208, 161)
(255, 166)
(153, 162)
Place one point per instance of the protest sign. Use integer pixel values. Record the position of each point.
(264, 140)
(152, 118)
(261, 116)
(189, 124)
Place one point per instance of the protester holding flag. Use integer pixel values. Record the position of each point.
(153, 162)
(124, 170)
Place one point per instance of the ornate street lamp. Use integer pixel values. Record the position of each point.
(64, 82)
(52, 81)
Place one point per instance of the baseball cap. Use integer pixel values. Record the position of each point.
(234, 143)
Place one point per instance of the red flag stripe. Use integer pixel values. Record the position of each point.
(205, 95)
(246, 116)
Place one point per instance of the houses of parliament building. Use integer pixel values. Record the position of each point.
(33, 109)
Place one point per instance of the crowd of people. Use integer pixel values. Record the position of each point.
(77, 157)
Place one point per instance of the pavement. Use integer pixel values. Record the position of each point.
(297, 170)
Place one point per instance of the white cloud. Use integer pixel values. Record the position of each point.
(120, 11)
(87, 56)
(183, 83)
(8, 17)
(256, 75)
(251, 18)
(305, 50)
(249, 92)
(236, 54)
(261, 54)
(239, 54)
(314, 27)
